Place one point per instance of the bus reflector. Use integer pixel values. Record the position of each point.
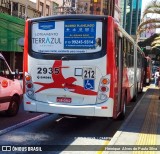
(105, 81)
(103, 89)
(29, 85)
(28, 102)
(104, 107)
(28, 78)
(30, 92)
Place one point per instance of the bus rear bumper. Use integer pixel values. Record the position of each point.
(104, 109)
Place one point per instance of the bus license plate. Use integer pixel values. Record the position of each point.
(64, 100)
(89, 73)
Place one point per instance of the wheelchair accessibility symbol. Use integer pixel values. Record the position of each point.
(89, 84)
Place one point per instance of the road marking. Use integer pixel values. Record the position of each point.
(148, 132)
(118, 133)
(59, 119)
(103, 147)
(6, 130)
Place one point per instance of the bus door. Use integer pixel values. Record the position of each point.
(119, 62)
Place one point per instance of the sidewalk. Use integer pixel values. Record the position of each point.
(142, 127)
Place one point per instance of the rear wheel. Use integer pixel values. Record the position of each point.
(13, 107)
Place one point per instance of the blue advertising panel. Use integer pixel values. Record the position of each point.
(79, 34)
(67, 37)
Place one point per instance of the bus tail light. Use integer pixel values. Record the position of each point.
(104, 107)
(28, 103)
(30, 92)
(103, 89)
(29, 87)
(105, 81)
(102, 96)
(28, 78)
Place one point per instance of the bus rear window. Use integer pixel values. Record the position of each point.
(67, 37)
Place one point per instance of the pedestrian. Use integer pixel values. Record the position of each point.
(156, 77)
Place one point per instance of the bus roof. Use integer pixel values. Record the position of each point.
(75, 16)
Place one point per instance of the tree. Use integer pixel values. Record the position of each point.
(155, 43)
(154, 8)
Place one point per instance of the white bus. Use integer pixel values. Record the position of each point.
(81, 65)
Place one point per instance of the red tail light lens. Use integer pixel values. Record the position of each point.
(103, 89)
(29, 85)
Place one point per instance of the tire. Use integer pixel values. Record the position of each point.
(13, 107)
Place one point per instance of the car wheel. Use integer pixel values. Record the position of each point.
(13, 107)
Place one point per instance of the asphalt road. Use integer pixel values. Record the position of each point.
(6, 121)
(54, 130)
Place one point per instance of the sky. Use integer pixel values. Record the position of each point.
(144, 3)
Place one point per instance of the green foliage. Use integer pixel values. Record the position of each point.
(11, 29)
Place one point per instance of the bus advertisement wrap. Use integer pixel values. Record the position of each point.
(80, 65)
(75, 37)
(79, 35)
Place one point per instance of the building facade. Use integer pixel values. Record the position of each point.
(19, 8)
(97, 7)
(131, 15)
(12, 20)
(117, 10)
(47, 7)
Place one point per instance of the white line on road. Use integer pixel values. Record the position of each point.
(6, 130)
